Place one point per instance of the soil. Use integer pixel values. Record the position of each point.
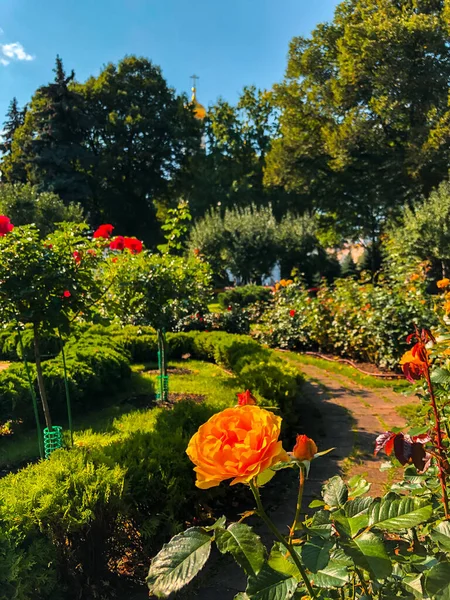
(171, 371)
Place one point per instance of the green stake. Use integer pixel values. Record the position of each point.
(66, 385)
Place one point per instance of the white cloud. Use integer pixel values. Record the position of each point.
(14, 51)
(4, 62)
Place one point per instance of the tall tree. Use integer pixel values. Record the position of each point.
(143, 136)
(14, 119)
(59, 156)
(365, 118)
(230, 173)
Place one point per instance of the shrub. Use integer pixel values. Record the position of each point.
(244, 296)
(234, 320)
(359, 320)
(59, 515)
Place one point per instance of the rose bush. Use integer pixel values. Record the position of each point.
(356, 319)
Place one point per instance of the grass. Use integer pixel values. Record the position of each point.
(206, 379)
(347, 371)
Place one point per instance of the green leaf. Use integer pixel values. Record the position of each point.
(335, 575)
(440, 376)
(265, 477)
(241, 596)
(316, 504)
(271, 585)
(413, 583)
(441, 535)
(316, 553)
(220, 523)
(245, 546)
(335, 492)
(368, 551)
(282, 563)
(357, 512)
(437, 582)
(178, 562)
(320, 524)
(358, 486)
(399, 514)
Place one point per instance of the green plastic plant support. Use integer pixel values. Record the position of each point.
(162, 394)
(53, 439)
(33, 396)
(66, 386)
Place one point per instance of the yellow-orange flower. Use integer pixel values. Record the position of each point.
(413, 366)
(238, 443)
(447, 307)
(443, 283)
(304, 448)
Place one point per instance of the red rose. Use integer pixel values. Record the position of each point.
(292, 312)
(229, 308)
(5, 225)
(77, 257)
(66, 294)
(245, 398)
(104, 231)
(133, 244)
(118, 243)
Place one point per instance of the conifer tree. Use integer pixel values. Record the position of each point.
(59, 157)
(14, 119)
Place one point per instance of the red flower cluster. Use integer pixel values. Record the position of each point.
(131, 243)
(66, 294)
(77, 257)
(245, 398)
(5, 225)
(407, 449)
(104, 231)
(292, 312)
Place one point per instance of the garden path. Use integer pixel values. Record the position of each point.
(338, 413)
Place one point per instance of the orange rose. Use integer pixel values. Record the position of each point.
(238, 443)
(304, 448)
(413, 366)
(443, 283)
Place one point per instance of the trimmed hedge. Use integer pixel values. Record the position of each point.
(97, 366)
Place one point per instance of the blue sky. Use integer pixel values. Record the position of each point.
(228, 43)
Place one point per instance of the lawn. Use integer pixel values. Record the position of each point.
(347, 371)
(205, 379)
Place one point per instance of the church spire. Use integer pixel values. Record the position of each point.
(199, 109)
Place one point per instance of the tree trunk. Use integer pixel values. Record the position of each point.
(42, 392)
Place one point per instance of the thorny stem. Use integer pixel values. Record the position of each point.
(440, 447)
(299, 503)
(262, 513)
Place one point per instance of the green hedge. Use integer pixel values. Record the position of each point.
(97, 366)
(244, 296)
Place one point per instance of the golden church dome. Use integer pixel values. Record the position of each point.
(199, 109)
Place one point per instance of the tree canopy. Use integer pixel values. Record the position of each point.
(365, 111)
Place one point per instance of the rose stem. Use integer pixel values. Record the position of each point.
(437, 428)
(262, 513)
(299, 503)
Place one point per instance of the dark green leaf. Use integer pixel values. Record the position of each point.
(399, 514)
(245, 546)
(335, 492)
(335, 575)
(271, 585)
(368, 551)
(316, 553)
(178, 562)
(441, 535)
(437, 582)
